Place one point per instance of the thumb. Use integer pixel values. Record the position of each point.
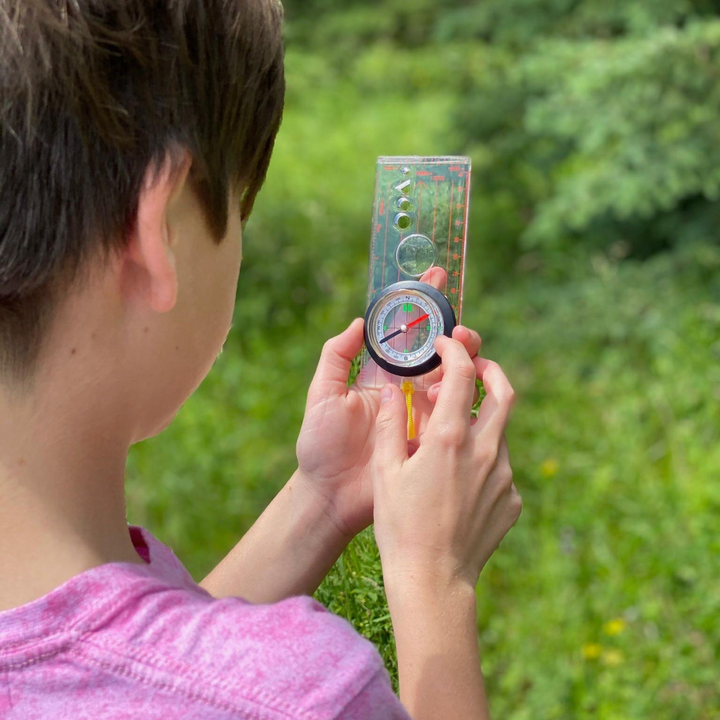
(333, 370)
(391, 446)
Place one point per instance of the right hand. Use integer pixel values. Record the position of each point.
(440, 514)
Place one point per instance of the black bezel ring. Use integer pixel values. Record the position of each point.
(449, 322)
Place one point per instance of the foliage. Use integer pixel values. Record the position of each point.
(594, 277)
(615, 441)
(608, 138)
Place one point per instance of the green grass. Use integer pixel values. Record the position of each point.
(604, 601)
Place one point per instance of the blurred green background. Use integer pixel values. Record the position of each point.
(594, 277)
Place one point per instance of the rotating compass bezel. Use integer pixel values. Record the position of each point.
(447, 315)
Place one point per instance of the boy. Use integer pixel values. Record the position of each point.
(134, 138)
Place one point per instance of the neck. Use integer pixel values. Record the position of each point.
(62, 499)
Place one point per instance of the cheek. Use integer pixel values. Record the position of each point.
(213, 271)
(220, 296)
(231, 259)
(229, 272)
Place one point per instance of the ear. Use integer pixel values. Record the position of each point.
(148, 272)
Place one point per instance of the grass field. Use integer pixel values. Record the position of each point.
(604, 601)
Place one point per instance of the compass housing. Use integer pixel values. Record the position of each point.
(441, 321)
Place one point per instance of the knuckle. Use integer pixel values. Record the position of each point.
(510, 395)
(328, 347)
(505, 397)
(505, 392)
(505, 476)
(516, 506)
(385, 421)
(487, 457)
(464, 369)
(451, 434)
(454, 349)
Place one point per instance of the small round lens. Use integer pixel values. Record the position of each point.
(415, 255)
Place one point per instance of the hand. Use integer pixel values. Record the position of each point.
(441, 513)
(337, 437)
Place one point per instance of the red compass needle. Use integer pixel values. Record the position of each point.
(419, 320)
(404, 328)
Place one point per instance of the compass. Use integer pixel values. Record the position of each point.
(401, 325)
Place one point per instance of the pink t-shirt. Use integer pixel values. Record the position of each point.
(122, 641)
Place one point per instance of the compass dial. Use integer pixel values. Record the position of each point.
(401, 326)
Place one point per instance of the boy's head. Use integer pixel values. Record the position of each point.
(134, 137)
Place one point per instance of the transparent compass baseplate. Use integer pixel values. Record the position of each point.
(420, 213)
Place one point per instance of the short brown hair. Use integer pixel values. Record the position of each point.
(92, 94)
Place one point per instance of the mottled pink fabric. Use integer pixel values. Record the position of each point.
(146, 642)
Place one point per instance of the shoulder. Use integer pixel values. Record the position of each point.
(294, 657)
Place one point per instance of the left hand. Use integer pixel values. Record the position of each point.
(337, 437)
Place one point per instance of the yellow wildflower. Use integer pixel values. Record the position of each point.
(549, 468)
(614, 627)
(612, 657)
(592, 651)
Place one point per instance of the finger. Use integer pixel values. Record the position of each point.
(435, 276)
(433, 390)
(432, 393)
(454, 401)
(503, 461)
(469, 338)
(391, 445)
(499, 398)
(494, 457)
(503, 457)
(333, 369)
(471, 342)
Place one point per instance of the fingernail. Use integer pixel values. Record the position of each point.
(386, 394)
